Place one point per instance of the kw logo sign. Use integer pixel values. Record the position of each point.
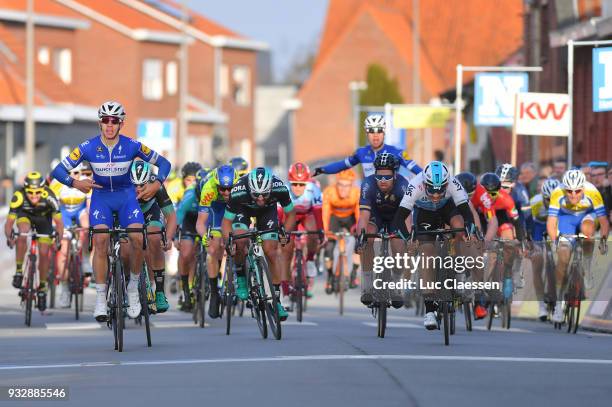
(542, 114)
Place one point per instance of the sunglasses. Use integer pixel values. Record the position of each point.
(506, 187)
(432, 190)
(384, 178)
(86, 173)
(75, 173)
(493, 194)
(36, 193)
(224, 189)
(111, 120)
(375, 130)
(573, 191)
(298, 184)
(257, 196)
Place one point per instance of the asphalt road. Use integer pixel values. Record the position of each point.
(327, 360)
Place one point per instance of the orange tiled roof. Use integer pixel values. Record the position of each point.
(41, 6)
(126, 15)
(470, 32)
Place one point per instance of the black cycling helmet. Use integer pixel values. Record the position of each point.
(190, 168)
(239, 164)
(507, 173)
(490, 182)
(386, 161)
(467, 180)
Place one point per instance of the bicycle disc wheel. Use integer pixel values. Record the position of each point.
(270, 299)
(144, 302)
(299, 288)
(119, 286)
(467, 313)
(228, 294)
(382, 319)
(257, 304)
(446, 322)
(341, 284)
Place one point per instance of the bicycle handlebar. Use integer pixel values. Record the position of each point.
(118, 231)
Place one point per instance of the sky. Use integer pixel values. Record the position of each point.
(287, 26)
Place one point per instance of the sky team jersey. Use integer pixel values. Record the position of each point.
(384, 204)
(591, 200)
(539, 211)
(416, 196)
(110, 165)
(365, 156)
(310, 199)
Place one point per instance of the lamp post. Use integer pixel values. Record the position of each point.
(290, 105)
(355, 87)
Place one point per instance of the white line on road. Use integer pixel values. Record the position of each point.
(313, 358)
(175, 324)
(305, 323)
(499, 329)
(395, 325)
(70, 326)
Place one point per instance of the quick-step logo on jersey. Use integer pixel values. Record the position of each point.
(111, 169)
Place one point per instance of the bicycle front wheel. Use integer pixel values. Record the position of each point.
(270, 298)
(228, 294)
(118, 321)
(258, 307)
(299, 288)
(467, 313)
(382, 319)
(446, 322)
(144, 302)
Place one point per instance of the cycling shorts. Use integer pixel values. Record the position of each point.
(153, 216)
(538, 231)
(123, 202)
(43, 224)
(188, 228)
(266, 218)
(425, 219)
(569, 224)
(72, 217)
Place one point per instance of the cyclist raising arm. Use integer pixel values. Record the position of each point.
(110, 155)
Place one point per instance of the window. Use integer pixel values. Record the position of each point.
(152, 83)
(44, 56)
(223, 81)
(171, 78)
(242, 85)
(62, 64)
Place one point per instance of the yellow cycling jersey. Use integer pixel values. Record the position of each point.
(591, 202)
(56, 187)
(209, 193)
(539, 211)
(176, 190)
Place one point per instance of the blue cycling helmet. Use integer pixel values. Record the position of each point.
(435, 177)
(226, 175)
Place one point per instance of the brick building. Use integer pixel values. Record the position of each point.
(360, 32)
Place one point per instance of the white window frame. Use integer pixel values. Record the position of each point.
(152, 79)
(241, 91)
(62, 64)
(43, 55)
(171, 78)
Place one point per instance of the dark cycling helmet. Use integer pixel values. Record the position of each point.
(226, 175)
(490, 182)
(507, 173)
(467, 180)
(240, 165)
(190, 168)
(34, 180)
(386, 161)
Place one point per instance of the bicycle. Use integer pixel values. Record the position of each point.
(382, 298)
(572, 291)
(299, 284)
(447, 296)
(28, 291)
(75, 272)
(262, 298)
(340, 267)
(501, 301)
(228, 294)
(116, 289)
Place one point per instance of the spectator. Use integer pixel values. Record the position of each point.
(598, 178)
(545, 172)
(586, 170)
(559, 168)
(527, 177)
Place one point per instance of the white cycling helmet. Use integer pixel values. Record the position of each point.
(140, 172)
(436, 177)
(260, 182)
(112, 109)
(548, 186)
(374, 121)
(574, 179)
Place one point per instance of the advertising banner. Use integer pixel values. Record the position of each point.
(494, 97)
(542, 114)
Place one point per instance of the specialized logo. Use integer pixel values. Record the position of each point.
(270, 224)
(119, 148)
(425, 226)
(75, 154)
(145, 150)
(135, 213)
(96, 214)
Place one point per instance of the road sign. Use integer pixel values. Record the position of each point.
(542, 114)
(602, 79)
(494, 97)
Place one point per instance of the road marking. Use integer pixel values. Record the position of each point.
(175, 324)
(70, 326)
(500, 329)
(394, 325)
(304, 323)
(508, 359)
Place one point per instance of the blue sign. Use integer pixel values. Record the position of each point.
(494, 97)
(602, 79)
(157, 134)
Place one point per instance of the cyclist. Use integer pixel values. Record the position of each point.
(508, 176)
(307, 201)
(438, 200)
(186, 216)
(574, 206)
(539, 213)
(381, 194)
(33, 205)
(240, 165)
(469, 182)
(73, 207)
(340, 212)
(375, 128)
(212, 200)
(110, 155)
(152, 209)
(257, 195)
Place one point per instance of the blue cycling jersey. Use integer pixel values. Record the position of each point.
(380, 204)
(366, 155)
(111, 165)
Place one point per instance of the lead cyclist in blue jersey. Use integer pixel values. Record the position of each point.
(110, 155)
(375, 128)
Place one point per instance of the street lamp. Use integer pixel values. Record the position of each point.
(355, 87)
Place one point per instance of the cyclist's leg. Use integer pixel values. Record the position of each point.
(424, 220)
(44, 226)
(240, 225)
(268, 219)
(23, 226)
(367, 269)
(312, 245)
(588, 228)
(62, 253)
